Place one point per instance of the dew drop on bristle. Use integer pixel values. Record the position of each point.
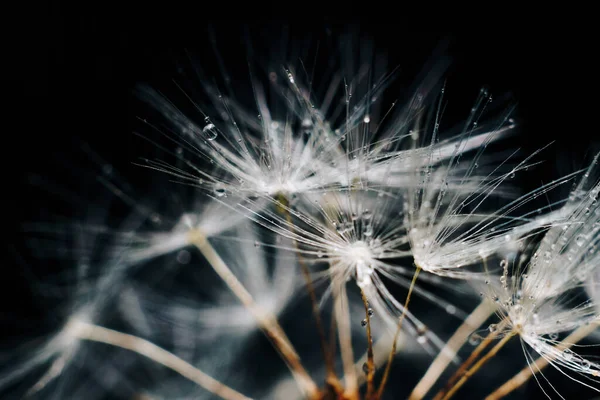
(422, 338)
(370, 312)
(367, 214)
(365, 368)
(219, 190)
(209, 131)
(363, 322)
(493, 328)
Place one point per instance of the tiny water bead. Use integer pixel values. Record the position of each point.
(493, 328)
(209, 131)
(370, 312)
(474, 339)
(219, 190)
(365, 368)
(363, 322)
(184, 257)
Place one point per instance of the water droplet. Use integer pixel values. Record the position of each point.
(585, 364)
(365, 368)
(493, 328)
(363, 322)
(367, 119)
(422, 339)
(553, 336)
(367, 214)
(450, 309)
(567, 354)
(370, 312)
(209, 131)
(474, 339)
(219, 190)
(257, 244)
(580, 240)
(503, 263)
(183, 257)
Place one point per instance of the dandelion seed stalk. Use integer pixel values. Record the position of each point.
(267, 322)
(478, 365)
(370, 370)
(526, 373)
(392, 353)
(481, 313)
(95, 333)
(466, 364)
(332, 379)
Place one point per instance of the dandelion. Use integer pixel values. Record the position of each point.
(534, 303)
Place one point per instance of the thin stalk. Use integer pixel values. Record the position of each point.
(392, 353)
(370, 371)
(481, 313)
(267, 322)
(342, 317)
(478, 365)
(331, 377)
(467, 363)
(95, 333)
(526, 373)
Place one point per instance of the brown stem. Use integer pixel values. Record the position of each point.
(478, 365)
(267, 322)
(483, 311)
(95, 333)
(332, 379)
(370, 364)
(526, 373)
(467, 363)
(392, 353)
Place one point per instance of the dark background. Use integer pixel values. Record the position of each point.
(68, 75)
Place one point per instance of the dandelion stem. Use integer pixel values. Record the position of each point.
(267, 322)
(478, 365)
(467, 363)
(370, 371)
(481, 313)
(332, 379)
(392, 353)
(342, 316)
(526, 373)
(95, 333)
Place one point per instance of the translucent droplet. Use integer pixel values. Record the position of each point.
(580, 240)
(370, 312)
(183, 257)
(450, 309)
(367, 214)
(363, 322)
(503, 263)
(367, 119)
(567, 354)
(422, 338)
(219, 190)
(209, 132)
(553, 336)
(493, 328)
(365, 368)
(257, 244)
(474, 339)
(585, 364)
